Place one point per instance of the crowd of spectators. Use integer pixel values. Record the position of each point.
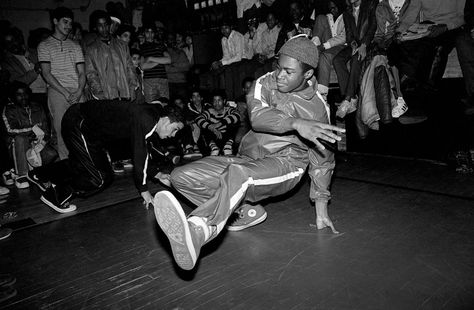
(378, 50)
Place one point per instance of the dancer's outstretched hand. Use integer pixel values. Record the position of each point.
(313, 130)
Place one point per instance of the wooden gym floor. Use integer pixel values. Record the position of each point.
(407, 242)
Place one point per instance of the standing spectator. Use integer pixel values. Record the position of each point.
(188, 48)
(250, 38)
(136, 56)
(110, 75)
(62, 66)
(220, 124)
(360, 27)
(125, 33)
(154, 57)
(232, 46)
(465, 48)
(22, 65)
(109, 69)
(329, 35)
(27, 126)
(177, 70)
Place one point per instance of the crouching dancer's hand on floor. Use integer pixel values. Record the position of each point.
(147, 198)
(322, 217)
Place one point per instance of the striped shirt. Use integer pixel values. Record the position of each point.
(63, 57)
(227, 117)
(148, 49)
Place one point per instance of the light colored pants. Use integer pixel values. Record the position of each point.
(218, 184)
(58, 105)
(155, 88)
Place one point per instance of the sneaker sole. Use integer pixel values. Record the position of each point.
(52, 206)
(172, 220)
(192, 156)
(242, 227)
(37, 183)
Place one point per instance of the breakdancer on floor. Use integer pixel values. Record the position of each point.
(289, 121)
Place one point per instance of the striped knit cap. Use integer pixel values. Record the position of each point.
(301, 48)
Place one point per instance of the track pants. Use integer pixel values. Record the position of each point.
(87, 155)
(218, 184)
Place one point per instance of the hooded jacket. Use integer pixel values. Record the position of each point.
(268, 110)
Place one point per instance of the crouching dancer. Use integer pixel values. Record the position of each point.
(88, 128)
(289, 121)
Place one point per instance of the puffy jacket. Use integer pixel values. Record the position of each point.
(268, 110)
(109, 70)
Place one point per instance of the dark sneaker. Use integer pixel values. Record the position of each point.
(7, 293)
(185, 238)
(117, 167)
(21, 182)
(246, 216)
(190, 153)
(8, 178)
(58, 199)
(127, 164)
(7, 280)
(33, 178)
(5, 233)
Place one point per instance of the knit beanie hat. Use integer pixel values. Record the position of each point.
(301, 48)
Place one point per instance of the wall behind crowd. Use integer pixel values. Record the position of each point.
(32, 14)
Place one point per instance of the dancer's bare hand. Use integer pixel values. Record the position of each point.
(313, 130)
(147, 199)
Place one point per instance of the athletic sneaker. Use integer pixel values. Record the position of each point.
(21, 182)
(127, 163)
(4, 191)
(246, 216)
(57, 198)
(5, 233)
(214, 149)
(400, 108)
(346, 107)
(190, 153)
(186, 238)
(7, 280)
(33, 178)
(117, 167)
(8, 178)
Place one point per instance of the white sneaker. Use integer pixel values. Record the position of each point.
(8, 177)
(4, 191)
(346, 107)
(400, 108)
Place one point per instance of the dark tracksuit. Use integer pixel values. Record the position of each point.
(87, 127)
(270, 161)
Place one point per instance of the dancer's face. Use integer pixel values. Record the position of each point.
(290, 75)
(166, 129)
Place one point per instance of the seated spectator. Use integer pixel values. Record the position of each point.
(297, 24)
(266, 38)
(188, 139)
(232, 46)
(219, 125)
(178, 69)
(329, 35)
(241, 103)
(27, 128)
(250, 38)
(154, 57)
(360, 26)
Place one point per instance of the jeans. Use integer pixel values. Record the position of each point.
(348, 80)
(325, 64)
(155, 88)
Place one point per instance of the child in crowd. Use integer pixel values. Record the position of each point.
(220, 124)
